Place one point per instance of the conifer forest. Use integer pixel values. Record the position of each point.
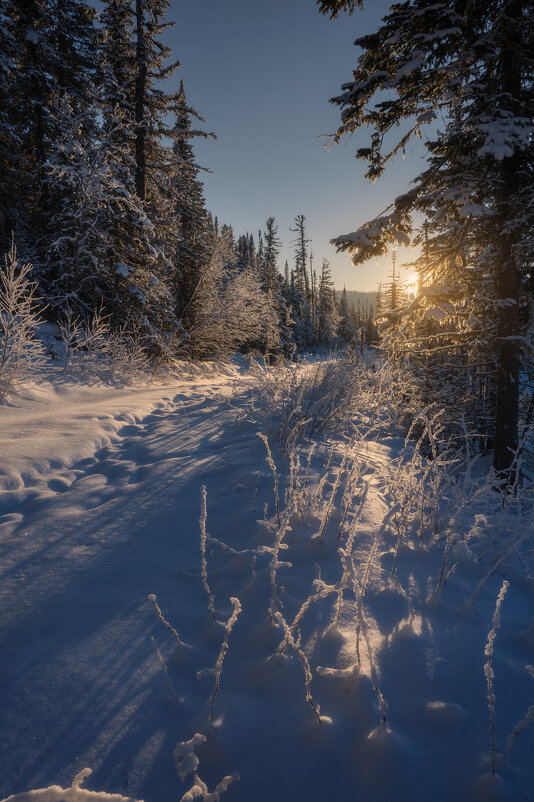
(265, 535)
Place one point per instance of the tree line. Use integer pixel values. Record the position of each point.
(101, 192)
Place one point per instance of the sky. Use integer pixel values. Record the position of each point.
(262, 75)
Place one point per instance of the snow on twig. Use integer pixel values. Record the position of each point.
(164, 621)
(216, 671)
(54, 793)
(488, 669)
(203, 538)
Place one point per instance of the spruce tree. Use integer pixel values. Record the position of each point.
(55, 65)
(470, 63)
(345, 330)
(301, 287)
(278, 335)
(10, 162)
(188, 213)
(328, 318)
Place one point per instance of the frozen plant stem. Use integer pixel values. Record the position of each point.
(216, 671)
(186, 762)
(272, 466)
(525, 536)
(163, 665)
(165, 623)
(362, 627)
(203, 538)
(521, 725)
(199, 789)
(308, 465)
(305, 662)
(324, 477)
(329, 507)
(488, 669)
(275, 564)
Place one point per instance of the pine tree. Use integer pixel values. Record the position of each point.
(328, 318)
(9, 160)
(188, 212)
(470, 62)
(301, 287)
(345, 330)
(151, 103)
(278, 335)
(55, 64)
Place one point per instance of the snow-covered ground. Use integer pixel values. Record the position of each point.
(373, 692)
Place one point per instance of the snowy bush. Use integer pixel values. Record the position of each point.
(336, 395)
(230, 307)
(21, 353)
(93, 349)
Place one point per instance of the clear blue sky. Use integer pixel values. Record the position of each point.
(261, 73)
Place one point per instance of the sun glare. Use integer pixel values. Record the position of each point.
(411, 283)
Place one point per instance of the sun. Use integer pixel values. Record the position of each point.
(410, 283)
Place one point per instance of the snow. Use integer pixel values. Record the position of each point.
(75, 793)
(473, 210)
(426, 117)
(32, 36)
(101, 520)
(407, 68)
(435, 313)
(503, 137)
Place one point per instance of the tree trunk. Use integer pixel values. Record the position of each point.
(140, 86)
(508, 276)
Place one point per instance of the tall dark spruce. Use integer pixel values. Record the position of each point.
(53, 68)
(193, 242)
(470, 63)
(9, 159)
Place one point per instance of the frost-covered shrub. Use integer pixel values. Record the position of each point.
(85, 342)
(306, 399)
(337, 394)
(228, 308)
(21, 354)
(93, 349)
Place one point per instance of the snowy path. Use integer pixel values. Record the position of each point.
(79, 557)
(100, 507)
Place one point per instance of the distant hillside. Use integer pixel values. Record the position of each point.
(353, 295)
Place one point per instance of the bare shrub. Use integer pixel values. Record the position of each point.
(337, 395)
(93, 349)
(21, 354)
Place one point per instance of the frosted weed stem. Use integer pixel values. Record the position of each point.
(521, 725)
(469, 603)
(488, 669)
(362, 626)
(272, 466)
(323, 479)
(203, 539)
(290, 640)
(346, 553)
(308, 465)
(329, 507)
(163, 665)
(164, 621)
(216, 671)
